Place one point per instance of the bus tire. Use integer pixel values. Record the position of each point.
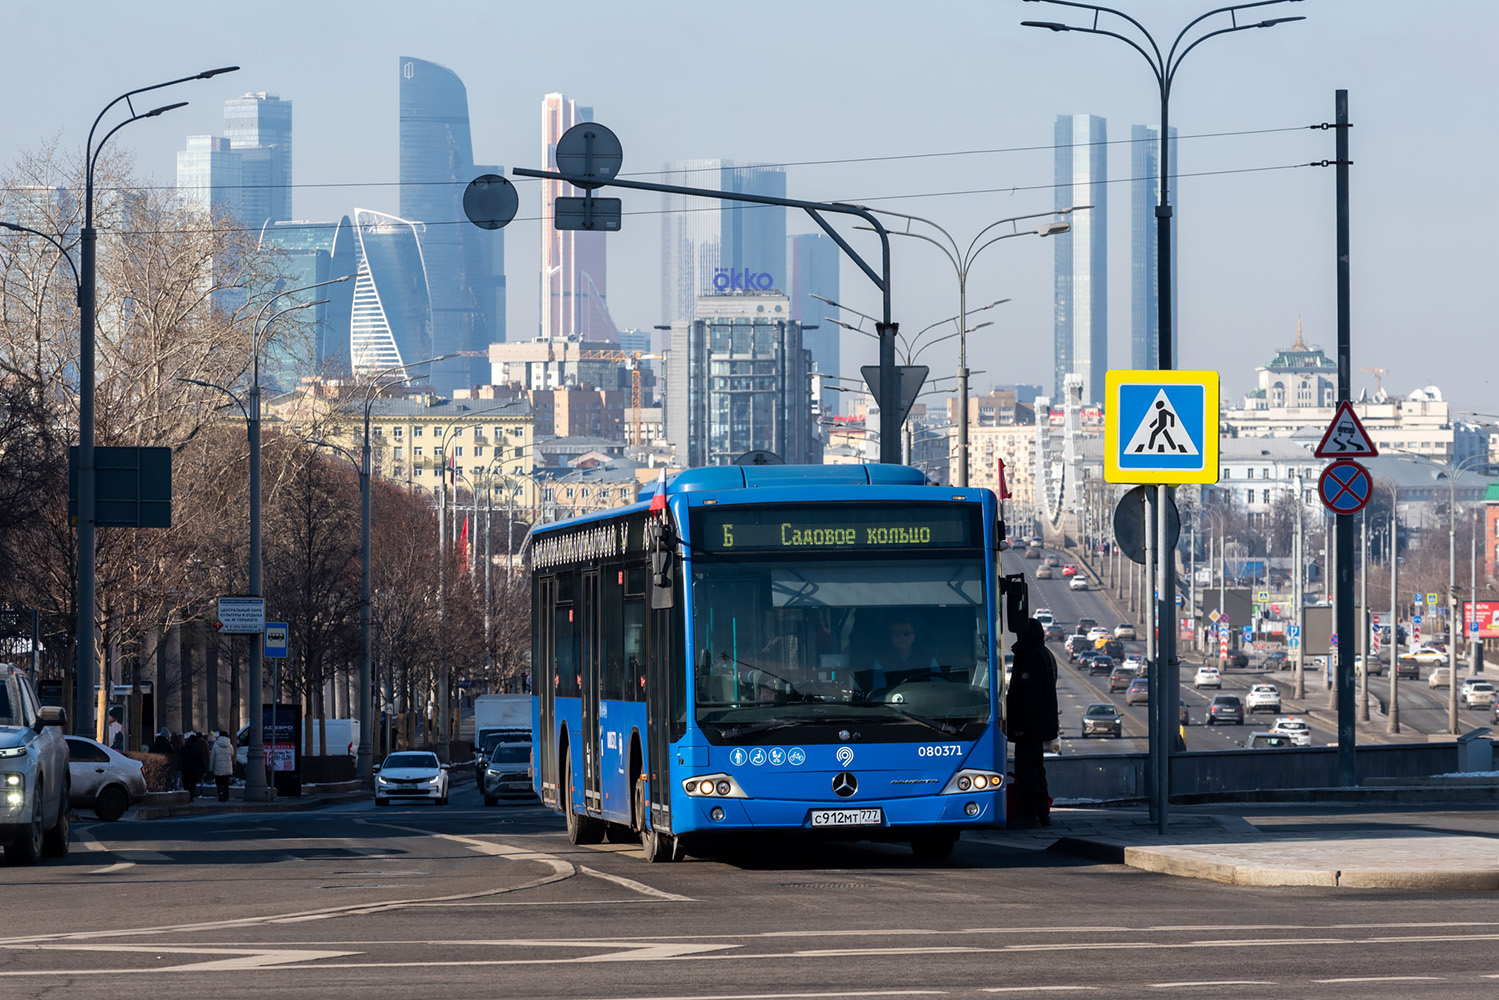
(657, 847)
(934, 846)
(580, 829)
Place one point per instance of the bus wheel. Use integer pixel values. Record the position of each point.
(580, 829)
(934, 846)
(657, 846)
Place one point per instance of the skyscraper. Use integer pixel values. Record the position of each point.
(1081, 282)
(710, 246)
(258, 127)
(310, 252)
(437, 163)
(391, 323)
(1144, 195)
(574, 282)
(209, 175)
(815, 262)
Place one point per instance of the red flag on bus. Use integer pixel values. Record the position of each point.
(1004, 491)
(658, 501)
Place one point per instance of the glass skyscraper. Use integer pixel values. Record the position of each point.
(258, 127)
(1081, 281)
(209, 176)
(462, 261)
(815, 263)
(710, 246)
(574, 264)
(307, 253)
(391, 320)
(1144, 195)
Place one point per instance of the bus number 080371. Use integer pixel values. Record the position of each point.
(939, 750)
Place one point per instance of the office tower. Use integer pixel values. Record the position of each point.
(710, 246)
(738, 380)
(1144, 195)
(815, 263)
(1081, 289)
(436, 164)
(209, 176)
(317, 341)
(574, 285)
(391, 320)
(258, 127)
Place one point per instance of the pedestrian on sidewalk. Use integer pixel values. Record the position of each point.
(163, 741)
(194, 763)
(1031, 722)
(221, 763)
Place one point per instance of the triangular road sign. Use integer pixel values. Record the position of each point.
(1346, 437)
(1160, 431)
(908, 377)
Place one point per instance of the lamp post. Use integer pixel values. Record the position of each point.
(84, 663)
(962, 262)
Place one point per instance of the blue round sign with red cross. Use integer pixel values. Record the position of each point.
(1345, 487)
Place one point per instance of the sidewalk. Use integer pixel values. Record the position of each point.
(159, 805)
(1269, 845)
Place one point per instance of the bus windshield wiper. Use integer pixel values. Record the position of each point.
(750, 728)
(938, 724)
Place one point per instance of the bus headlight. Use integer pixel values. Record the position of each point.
(970, 780)
(722, 786)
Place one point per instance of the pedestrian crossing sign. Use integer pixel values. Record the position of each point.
(1161, 427)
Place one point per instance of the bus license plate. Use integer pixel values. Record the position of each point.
(848, 817)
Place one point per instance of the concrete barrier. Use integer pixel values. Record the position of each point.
(1113, 777)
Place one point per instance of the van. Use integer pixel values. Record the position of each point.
(343, 738)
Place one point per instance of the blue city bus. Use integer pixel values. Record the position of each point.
(772, 649)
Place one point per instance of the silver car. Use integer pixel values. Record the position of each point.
(508, 772)
(104, 780)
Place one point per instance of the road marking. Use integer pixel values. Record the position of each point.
(1035, 989)
(239, 960)
(806, 996)
(1219, 982)
(142, 855)
(635, 886)
(1384, 979)
(112, 868)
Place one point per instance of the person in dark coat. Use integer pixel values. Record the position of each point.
(1031, 722)
(163, 741)
(194, 763)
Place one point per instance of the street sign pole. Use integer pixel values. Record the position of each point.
(1347, 737)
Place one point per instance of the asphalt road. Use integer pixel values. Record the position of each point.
(465, 901)
(1423, 709)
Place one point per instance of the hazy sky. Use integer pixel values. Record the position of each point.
(956, 87)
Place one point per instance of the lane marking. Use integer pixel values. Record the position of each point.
(634, 886)
(238, 960)
(121, 866)
(1035, 989)
(1384, 979)
(1219, 982)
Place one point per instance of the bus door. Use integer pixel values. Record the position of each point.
(659, 684)
(544, 681)
(593, 679)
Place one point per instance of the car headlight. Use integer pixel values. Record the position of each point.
(969, 780)
(12, 752)
(380, 779)
(435, 779)
(721, 786)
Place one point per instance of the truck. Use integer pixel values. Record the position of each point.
(499, 718)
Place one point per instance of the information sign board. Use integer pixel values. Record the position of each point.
(240, 616)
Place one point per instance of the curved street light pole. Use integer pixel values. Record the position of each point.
(84, 664)
(962, 262)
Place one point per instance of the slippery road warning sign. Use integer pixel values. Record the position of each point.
(1346, 437)
(1161, 427)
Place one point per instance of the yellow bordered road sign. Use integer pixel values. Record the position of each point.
(1161, 427)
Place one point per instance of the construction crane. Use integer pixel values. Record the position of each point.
(1378, 374)
(633, 359)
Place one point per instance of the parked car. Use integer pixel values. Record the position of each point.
(1138, 692)
(1055, 632)
(1297, 729)
(1069, 570)
(34, 814)
(1225, 707)
(1263, 698)
(411, 774)
(508, 773)
(1208, 677)
(1102, 719)
(104, 781)
(1078, 583)
(1032, 552)
(1268, 741)
(1124, 630)
(1475, 695)
(1120, 678)
(1043, 572)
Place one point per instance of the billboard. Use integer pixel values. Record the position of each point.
(1485, 614)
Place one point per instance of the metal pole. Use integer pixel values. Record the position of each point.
(1347, 734)
(1298, 684)
(1165, 361)
(1392, 711)
(442, 604)
(365, 761)
(1452, 726)
(255, 777)
(1164, 701)
(1363, 616)
(488, 578)
(1475, 656)
(1192, 582)
(83, 694)
(1152, 729)
(962, 376)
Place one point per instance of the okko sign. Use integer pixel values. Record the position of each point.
(728, 279)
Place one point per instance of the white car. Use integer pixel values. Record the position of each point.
(1263, 698)
(1044, 616)
(103, 780)
(1208, 677)
(411, 774)
(1440, 677)
(1078, 583)
(1135, 660)
(1098, 632)
(1427, 654)
(1124, 630)
(1476, 694)
(1297, 729)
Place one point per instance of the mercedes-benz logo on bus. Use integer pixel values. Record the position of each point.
(845, 784)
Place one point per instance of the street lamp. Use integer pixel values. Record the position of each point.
(84, 639)
(255, 786)
(962, 261)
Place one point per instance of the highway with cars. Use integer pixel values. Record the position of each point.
(418, 899)
(1423, 709)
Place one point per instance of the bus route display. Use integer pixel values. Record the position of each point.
(798, 528)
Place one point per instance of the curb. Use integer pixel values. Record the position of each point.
(182, 807)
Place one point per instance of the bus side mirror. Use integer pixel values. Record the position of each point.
(1017, 598)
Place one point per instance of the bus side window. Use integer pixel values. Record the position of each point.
(611, 645)
(634, 649)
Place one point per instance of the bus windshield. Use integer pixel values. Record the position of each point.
(841, 639)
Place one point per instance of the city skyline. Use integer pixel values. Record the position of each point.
(1259, 229)
(1081, 255)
